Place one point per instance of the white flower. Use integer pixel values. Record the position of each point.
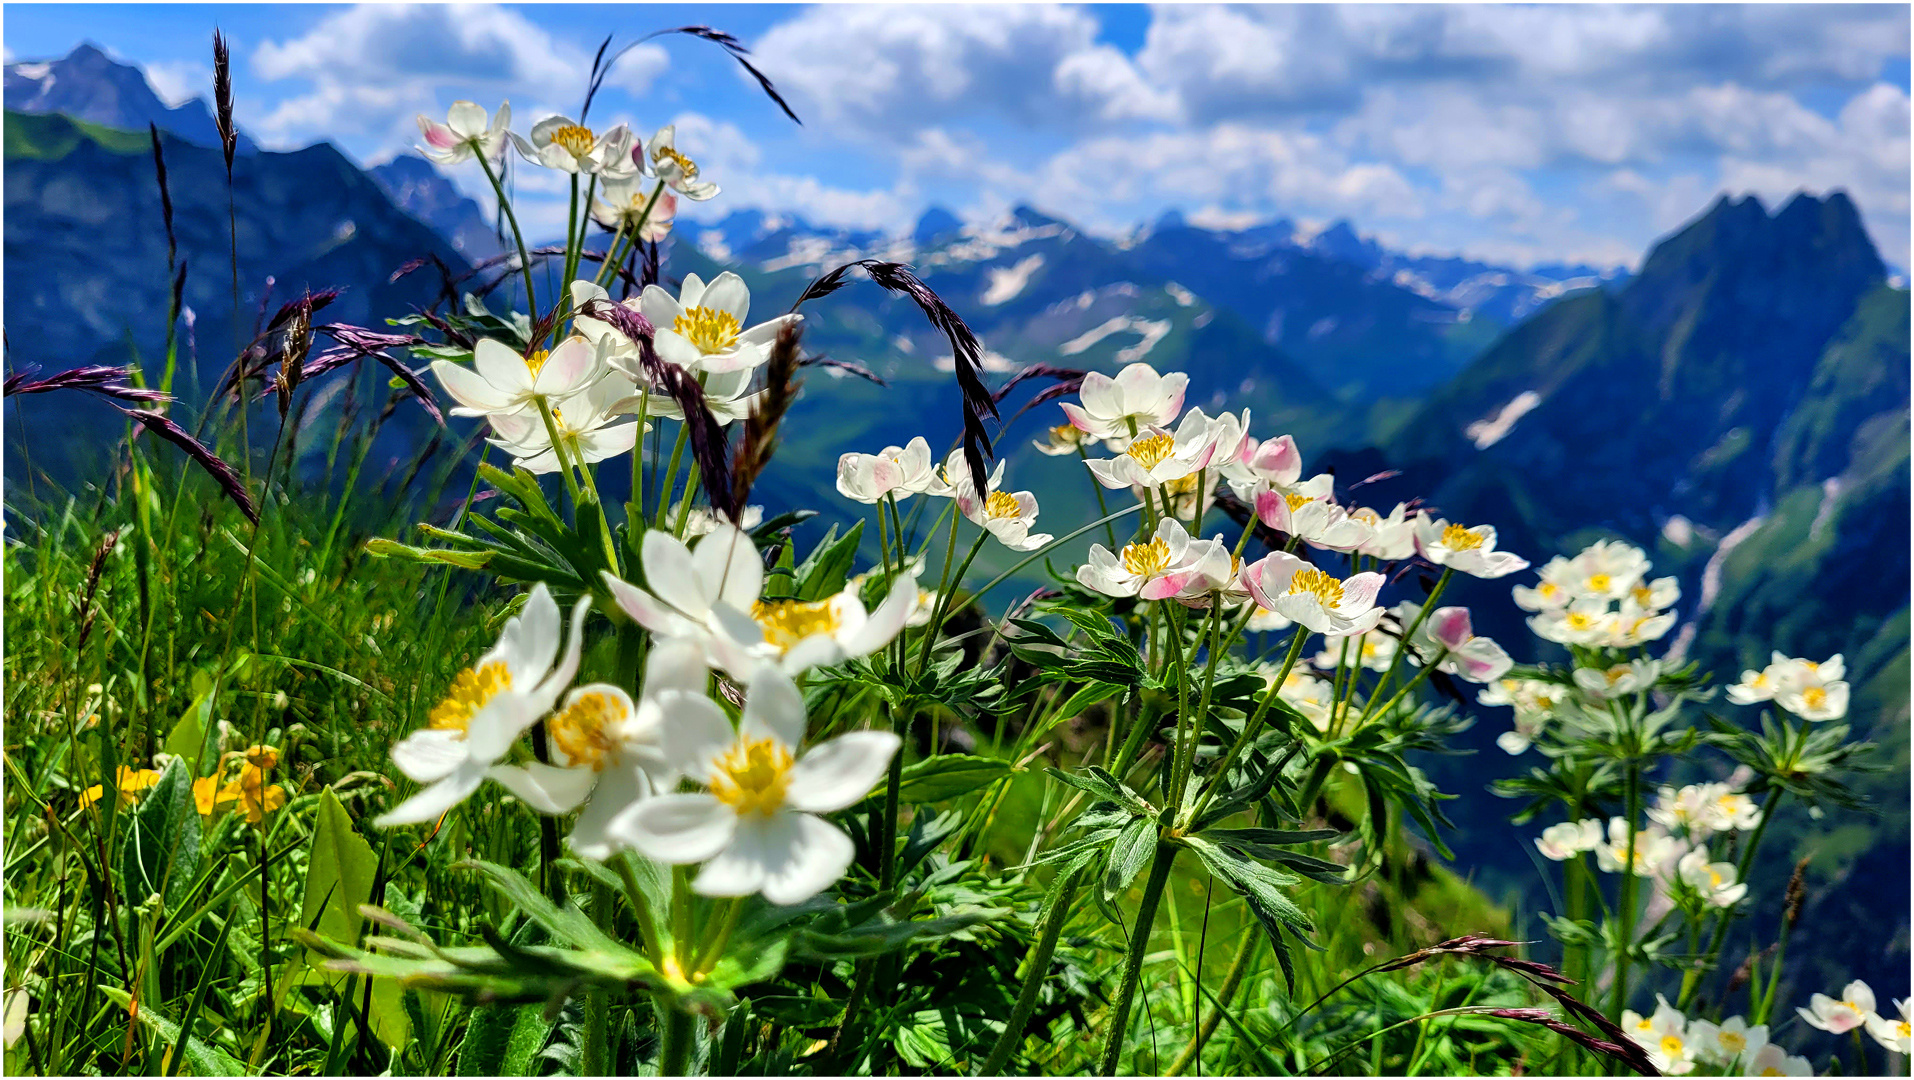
(1216, 574)
(1567, 838)
(1732, 810)
(1655, 595)
(803, 634)
(465, 133)
(1157, 456)
(703, 520)
(490, 703)
(897, 471)
(1714, 881)
(1448, 632)
(1472, 551)
(1583, 622)
(702, 595)
(677, 171)
(560, 143)
(702, 329)
(1654, 849)
(631, 204)
(1313, 598)
(1771, 1060)
(1272, 463)
(1843, 1016)
(1371, 651)
(1305, 693)
(1551, 592)
(756, 827)
(1893, 1034)
(1522, 735)
(1687, 809)
(613, 750)
(1062, 439)
(1008, 516)
(1119, 409)
(1392, 538)
(583, 421)
(1632, 626)
(1606, 570)
(1724, 1043)
(1618, 680)
(1534, 701)
(1154, 570)
(1811, 691)
(1266, 621)
(500, 381)
(1755, 686)
(1663, 1035)
(1308, 510)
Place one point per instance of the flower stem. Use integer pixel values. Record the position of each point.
(676, 1039)
(1691, 981)
(1626, 912)
(1133, 965)
(1253, 726)
(1245, 951)
(524, 256)
(1395, 662)
(671, 473)
(1036, 969)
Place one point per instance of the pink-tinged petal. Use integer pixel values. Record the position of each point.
(1450, 627)
(677, 829)
(570, 368)
(1272, 509)
(1360, 590)
(1278, 460)
(1138, 386)
(502, 366)
(727, 292)
(1166, 586)
(1078, 418)
(1099, 396)
(1361, 624)
(1175, 384)
(438, 135)
(836, 774)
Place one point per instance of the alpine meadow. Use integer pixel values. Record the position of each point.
(503, 611)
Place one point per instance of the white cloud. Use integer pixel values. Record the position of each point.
(372, 67)
(729, 158)
(179, 81)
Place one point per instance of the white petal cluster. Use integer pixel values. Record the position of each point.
(1570, 838)
(465, 133)
(1601, 598)
(1448, 633)
(1313, 598)
(561, 143)
(1466, 550)
(897, 472)
(1170, 565)
(1809, 690)
(1701, 810)
(1119, 409)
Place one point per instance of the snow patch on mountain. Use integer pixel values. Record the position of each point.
(1149, 331)
(1005, 282)
(1486, 433)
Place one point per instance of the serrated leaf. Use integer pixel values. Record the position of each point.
(829, 567)
(1127, 855)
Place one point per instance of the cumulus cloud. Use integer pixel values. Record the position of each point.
(372, 67)
(180, 81)
(729, 158)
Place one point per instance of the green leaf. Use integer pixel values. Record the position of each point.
(161, 850)
(947, 776)
(503, 1040)
(188, 736)
(824, 573)
(1127, 856)
(1261, 887)
(201, 1059)
(340, 874)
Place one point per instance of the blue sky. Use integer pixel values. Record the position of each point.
(1515, 134)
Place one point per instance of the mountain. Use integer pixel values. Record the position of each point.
(88, 85)
(85, 267)
(416, 186)
(1739, 408)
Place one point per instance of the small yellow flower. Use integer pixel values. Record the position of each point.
(131, 782)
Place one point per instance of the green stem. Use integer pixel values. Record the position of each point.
(1421, 674)
(671, 473)
(1252, 727)
(524, 256)
(1036, 969)
(676, 1039)
(1691, 981)
(1408, 634)
(1103, 505)
(1626, 911)
(637, 236)
(1133, 964)
(594, 1058)
(1245, 951)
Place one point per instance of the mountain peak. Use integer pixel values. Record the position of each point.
(1170, 219)
(89, 85)
(936, 222)
(1027, 215)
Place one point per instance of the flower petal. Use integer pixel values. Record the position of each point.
(773, 706)
(673, 576)
(547, 789)
(677, 829)
(727, 292)
(435, 800)
(729, 562)
(429, 754)
(695, 733)
(835, 774)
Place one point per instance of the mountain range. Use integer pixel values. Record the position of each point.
(1738, 406)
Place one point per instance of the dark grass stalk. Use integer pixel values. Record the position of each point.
(1118, 1023)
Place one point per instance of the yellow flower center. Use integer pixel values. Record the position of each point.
(584, 729)
(1366, 516)
(711, 330)
(1580, 620)
(1733, 1042)
(1548, 590)
(1596, 582)
(1294, 500)
(1815, 697)
(753, 776)
(1146, 560)
(1903, 1030)
(1811, 665)
(1772, 1071)
(1644, 1024)
(787, 622)
(1671, 1045)
(1184, 485)
(1065, 435)
(1855, 1007)
(1457, 538)
(577, 139)
(1370, 649)
(1714, 878)
(1324, 587)
(536, 361)
(685, 165)
(1002, 504)
(1644, 595)
(1152, 451)
(471, 690)
(1615, 674)
(1760, 681)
